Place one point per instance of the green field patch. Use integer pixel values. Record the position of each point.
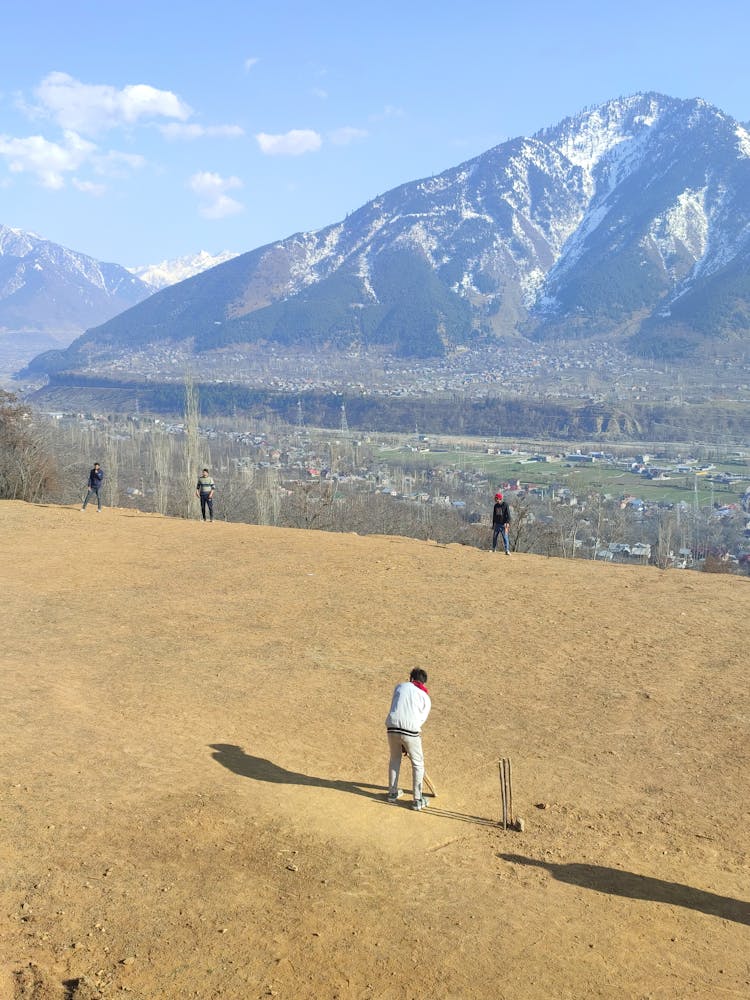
(598, 477)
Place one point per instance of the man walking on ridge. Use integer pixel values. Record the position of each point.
(96, 478)
(204, 489)
(410, 707)
(500, 523)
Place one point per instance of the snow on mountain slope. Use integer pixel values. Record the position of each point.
(681, 229)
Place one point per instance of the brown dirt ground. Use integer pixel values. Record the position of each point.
(194, 763)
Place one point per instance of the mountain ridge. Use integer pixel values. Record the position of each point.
(46, 288)
(629, 221)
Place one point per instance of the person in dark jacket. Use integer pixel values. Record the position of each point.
(500, 523)
(96, 478)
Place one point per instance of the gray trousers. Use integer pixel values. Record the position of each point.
(89, 491)
(397, 743)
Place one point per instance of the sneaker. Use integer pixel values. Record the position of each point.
(420, 804)
(394, 798)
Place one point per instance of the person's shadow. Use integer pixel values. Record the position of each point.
(235, 759)
(616, 882)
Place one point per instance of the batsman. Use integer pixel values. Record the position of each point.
(410, 707)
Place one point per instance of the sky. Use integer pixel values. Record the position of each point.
(142, 131)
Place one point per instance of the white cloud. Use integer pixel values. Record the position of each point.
(207, 184)
(221, 208)
(211, 189)
(115, 164)
(90, 108)
(89, 187)
(49, 161)
(249, 63)
(319, 92)
(343, 136)
(293, 143)
(189, 130)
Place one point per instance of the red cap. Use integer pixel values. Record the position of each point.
(498, 496)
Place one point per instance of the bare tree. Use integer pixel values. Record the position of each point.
(268, 497)
(112, 470)
(521, 524)
(28, 470)
(191, 460)
(664, 541)
(309, 504)
(160, 460)
(239, 493)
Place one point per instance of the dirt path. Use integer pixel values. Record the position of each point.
(193, 764)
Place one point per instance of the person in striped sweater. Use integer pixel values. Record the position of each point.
(204, 490)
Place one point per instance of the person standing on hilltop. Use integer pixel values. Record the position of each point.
(410, 707)
(500, 523)
(204, 490)
(96, 478)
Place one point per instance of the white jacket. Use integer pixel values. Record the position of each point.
(409, 709)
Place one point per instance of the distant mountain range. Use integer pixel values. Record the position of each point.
(170, 272)
(629, 221)
(49, 295)
(48, 290)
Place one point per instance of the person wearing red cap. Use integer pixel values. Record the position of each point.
(500, 523)
(410, 707)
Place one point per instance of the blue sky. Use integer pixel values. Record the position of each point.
(140, 131)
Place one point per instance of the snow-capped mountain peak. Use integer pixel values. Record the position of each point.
(589, 137)
(170, 272)
(16, 242)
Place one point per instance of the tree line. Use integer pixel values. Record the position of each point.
(446, 413)
(153, 467)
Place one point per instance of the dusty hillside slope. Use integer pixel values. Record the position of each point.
(194, 757)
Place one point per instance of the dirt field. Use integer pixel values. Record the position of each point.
(194, 766)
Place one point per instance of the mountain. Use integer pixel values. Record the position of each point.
(170, 272)
(629, 221)
(49, 291)
(662, 252)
